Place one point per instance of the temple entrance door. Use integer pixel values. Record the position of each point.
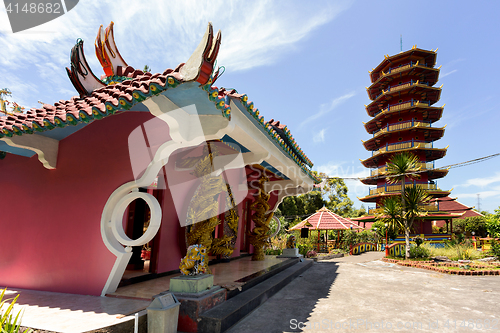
(246, 226)
(144, 258)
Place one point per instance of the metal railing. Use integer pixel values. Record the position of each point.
(401, 125)
(402, 67)
(403, 145)
(401, 86)
(396, 188)
(403, 106)
(382, 170)
(428, 208)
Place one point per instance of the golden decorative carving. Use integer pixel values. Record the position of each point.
(291, 242)
(196, 261)
(259, 237)
(202, 217)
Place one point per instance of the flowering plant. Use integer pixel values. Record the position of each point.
(311, 254)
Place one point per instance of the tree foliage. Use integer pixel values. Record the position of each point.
(333, 195)
(493, 223)
(476, 224)
(400, 167)
(380, 228)
(335, 190)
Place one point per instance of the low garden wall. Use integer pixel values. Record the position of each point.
(362, 247)
(456, 268)
(396, 249)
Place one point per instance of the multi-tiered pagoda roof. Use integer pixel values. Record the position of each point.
(403, 94)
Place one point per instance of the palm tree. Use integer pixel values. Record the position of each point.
(415, 197)
(399, 167)
(390, 214)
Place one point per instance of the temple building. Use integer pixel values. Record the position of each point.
(403, 95)
(138, 167)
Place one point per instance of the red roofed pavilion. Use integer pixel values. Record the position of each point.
(324, 219)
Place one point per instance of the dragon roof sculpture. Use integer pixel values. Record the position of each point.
(123, 87)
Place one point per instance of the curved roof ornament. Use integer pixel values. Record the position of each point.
(200, 65)
(80, 74)
(106, 51)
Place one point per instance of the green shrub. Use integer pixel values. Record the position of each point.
(454, 251)
(273, 252)
(493, 227)
(418, 240)
(8, 323)
(419, 252)
(495, 248)
(304, 248)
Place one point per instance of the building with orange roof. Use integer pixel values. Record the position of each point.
(136, 168)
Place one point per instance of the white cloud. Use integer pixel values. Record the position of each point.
(327, 107)
(319, 136)
(482, 194)
(336, 169)
(489, 185)
(453, 62)
(449, 73)
(448, 65)
(350, 173)
(481, 182)
(162, 34)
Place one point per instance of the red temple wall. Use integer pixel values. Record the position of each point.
(51, 221)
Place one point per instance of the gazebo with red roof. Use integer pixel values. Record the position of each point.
(324, 219)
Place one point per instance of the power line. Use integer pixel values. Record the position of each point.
(451, 166)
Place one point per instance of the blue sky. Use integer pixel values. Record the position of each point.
(304, 63)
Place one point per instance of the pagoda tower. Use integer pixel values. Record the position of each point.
(403, 95)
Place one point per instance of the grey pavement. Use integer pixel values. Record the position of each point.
(364, 294)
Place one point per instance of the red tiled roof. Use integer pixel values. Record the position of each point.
(102, 102)
(451, 205)
(324, 219)
(135, 87)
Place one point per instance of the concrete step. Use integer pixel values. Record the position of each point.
(222, 317)
(252, 280)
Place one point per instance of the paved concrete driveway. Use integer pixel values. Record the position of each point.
(362, 293)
